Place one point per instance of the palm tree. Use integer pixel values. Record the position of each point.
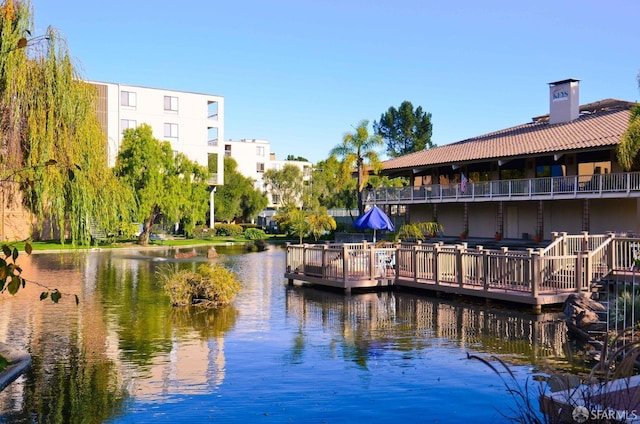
(627, 151)
(359, 149)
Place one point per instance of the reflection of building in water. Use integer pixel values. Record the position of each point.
(192, 366)
(430, 321)
(187, 362)
(99, 332)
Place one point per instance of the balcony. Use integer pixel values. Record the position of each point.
(548, 188)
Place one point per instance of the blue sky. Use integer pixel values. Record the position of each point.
(302, 73)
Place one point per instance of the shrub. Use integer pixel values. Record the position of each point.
(257, 246)
(254, 234)
(204, 233)
(229, 230)
(208, 286)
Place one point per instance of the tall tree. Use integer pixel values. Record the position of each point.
(52, 145)
(286, 183)
(163, 184)
(358, 151)
(237, 199)
(405, 130)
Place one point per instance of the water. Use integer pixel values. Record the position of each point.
(277, 354)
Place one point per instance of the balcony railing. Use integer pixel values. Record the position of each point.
(575, 186)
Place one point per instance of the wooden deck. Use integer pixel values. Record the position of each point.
(536, 277)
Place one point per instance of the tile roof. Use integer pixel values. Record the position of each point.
(601, 124)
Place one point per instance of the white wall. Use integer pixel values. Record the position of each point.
(191, 118)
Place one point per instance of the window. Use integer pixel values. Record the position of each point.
(171, 103)
(171, 130)
(259, 150)
(127, 98)
(227, 150)
(127, 123)
(275, 199)
(260, 167)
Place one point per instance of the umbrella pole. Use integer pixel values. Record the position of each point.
(374, 236)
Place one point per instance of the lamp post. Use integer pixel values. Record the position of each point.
(211, 211)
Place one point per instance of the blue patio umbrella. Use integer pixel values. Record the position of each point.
(374, 219)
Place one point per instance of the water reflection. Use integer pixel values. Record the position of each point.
(368, 324)
(291, 353)
(123, 338)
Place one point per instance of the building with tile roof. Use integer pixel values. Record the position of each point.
(556, 173)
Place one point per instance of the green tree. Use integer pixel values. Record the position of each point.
(297, 158)
(358, 151)
(287, 184)
(52, 145)
(629, 147)
(295, 222)
(320, 222)
(237, 199)
(163, 184)
(405, 130)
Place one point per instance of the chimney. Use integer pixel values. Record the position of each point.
(564, 104)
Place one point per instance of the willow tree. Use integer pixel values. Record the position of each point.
(165, 185)
(359, 151)
(52, 145)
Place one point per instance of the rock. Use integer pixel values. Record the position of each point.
(581, 315)
(185, 255)
(211, 253)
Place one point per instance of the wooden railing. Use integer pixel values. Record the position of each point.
(571, 263)
(575, 186)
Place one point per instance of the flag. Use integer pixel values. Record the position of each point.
(463, 183)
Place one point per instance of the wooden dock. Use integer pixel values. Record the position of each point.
(536, 277)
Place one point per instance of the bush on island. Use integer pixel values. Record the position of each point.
(208, 286)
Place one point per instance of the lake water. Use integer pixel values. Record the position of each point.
(279, 353)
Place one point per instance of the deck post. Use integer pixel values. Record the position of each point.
(504, 266)
(585, 240)
(288, 256)
(324, 261)
(578, 287)
(436, 273)
(414, 262)
(345, 265)
(485, 268)
(535, 272)
(373, 266)
(611, 252)
(563, 245)
(588, 275)
(459, 268)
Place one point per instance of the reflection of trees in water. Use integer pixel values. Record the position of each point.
(366, 323)
(78, 388)
(137, 309)
(206, 322)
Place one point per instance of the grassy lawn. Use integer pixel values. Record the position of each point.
(53, 245)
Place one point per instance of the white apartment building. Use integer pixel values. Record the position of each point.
(254, 157)
(192, 122)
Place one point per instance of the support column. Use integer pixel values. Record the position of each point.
(540, 220)
(500, 219)
(465, 219)
(586, 215)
